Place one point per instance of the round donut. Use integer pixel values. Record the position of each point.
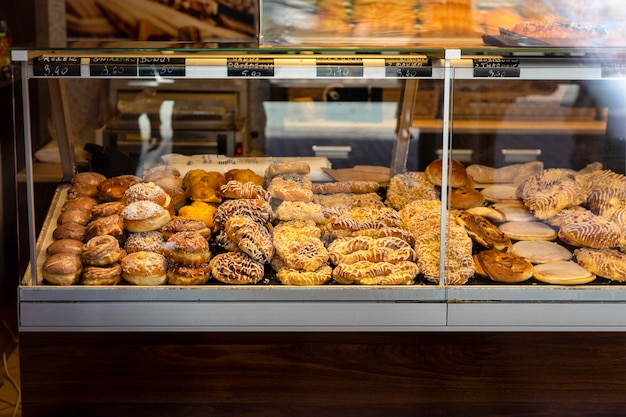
(81, 203)
(110, 225)
(178, 274)
(503, 266)
(187, 248)
(143, 216)
(72, 246)
(82, 190)
(88, 177)
(74, 216)
(376, 273)
(113, 189)
(69, 231)
(182, 224)
(145, 191)
(107, 209)
(151, 241)
(102, 250)
(236, 268)
(102, 275)
(62, 269)
(144, 268)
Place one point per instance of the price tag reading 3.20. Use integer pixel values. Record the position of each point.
(339, 67)
(496, 67)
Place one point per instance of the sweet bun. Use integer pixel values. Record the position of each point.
(178, 274)
(143, 216)
(69, 231)
(515, 212)
(82, 190)
(528, 231)
(81, 203)
(144, 268)
(541, 251)
(151, 241)
(244, 175)
(107, 209)
(113, 189)
(503, 266)
(74, 216)
(72, 246)
(465, 197)
(458, 175)
(109, 225)
(145, 191)
(88, 177)
(182, 224)
(490, 213)
(483, 232)
(562, 273)
(62, 269)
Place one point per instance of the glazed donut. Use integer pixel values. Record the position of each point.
(364, 248)
(145, 191)
(289, 276)
(82, 190)
(299, 245)
(376, 273)
(113, 189)
(251, 237)
(69, 231)
(178, 274)
(457, 173)
(144, 268)
(237, 189)
(72, 246)
(252, 207)
(62, 269)
(102, 275)
(107, 209)
(143, 216)
(110, 225)
(102, 250)
(236, 268)
(188, 248)
(502, 266)
(88, 177)
(74, 216)
(151, 241)
(81, 203)
(182, 224)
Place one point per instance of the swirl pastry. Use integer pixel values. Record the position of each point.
(236, 268)
(102, 275)
(376, 273)
(550, 191)
(483, 232)
(237, 189)
(251, 207)
(299, 245)
(102, 250)
(251, 237)
(502, 266)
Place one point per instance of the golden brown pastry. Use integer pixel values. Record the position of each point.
(289, 167)
(483, 232)
(244, 175)
(465, 197)
(151, 241)
(550, 191)
(182, 224)
(102, 250)
(300, 210)
(237, 189)
(199, 210)
(250, 236)
(236, 268)
(62, 269)
(502, 266)
(110, 225)
(72, 246)
(364, 248)
(107, 209)
(113, 189)
(457, 175)
(355, 186)
(145, 191)
(74, 216)
(376, 273)
(299, 277)
(252, 207)
(81, 203)
(69, 231)
(299, 245)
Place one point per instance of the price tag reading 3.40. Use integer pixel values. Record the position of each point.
(496, 67)
(56, 66)
(339, 67)
(408, 67)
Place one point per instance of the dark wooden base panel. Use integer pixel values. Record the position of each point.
(323, 374)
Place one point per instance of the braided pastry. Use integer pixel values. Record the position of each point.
(364, 248)
(252, 207)
(251, 237)
(357, 187)
(237, 189)
(298, 244)
(236, 268)
(376, 273)
(606, 263)
(290, 276)
(407, 187)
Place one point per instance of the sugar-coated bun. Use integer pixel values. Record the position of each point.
(458, 175)
(62, 269)
(145, 191)
(151, 241)
(143, 216)
(188, 248)
(144, 268)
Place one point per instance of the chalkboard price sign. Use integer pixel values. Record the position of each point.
(408, 67)
(250, 67)
(496, 67)
(339, 67)
(54, 66)
(113, 67)
(162, 66)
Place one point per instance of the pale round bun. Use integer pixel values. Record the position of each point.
(499, 193)
(490, 213)
(62, 269)
(144, 216)
(465, 197)
(515, 212)
(458, 175)
(541, 251)
(562, 273)
(528, 231)
(503, 266)
(144, 268)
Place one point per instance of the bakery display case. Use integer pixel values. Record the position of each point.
(571, 91)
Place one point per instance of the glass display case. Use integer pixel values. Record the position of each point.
(487, 107)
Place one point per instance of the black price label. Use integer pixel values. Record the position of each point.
(613, 70)
(250, 67)
(161, 66)
(113, 67)
(339, 67)
(496, 67)
(408, 67)
(56, 66)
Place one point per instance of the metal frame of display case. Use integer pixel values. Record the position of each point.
(327, 308)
